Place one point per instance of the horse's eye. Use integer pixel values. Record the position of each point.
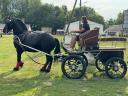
(8, 20)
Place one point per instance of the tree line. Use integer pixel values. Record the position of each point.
(47, 15)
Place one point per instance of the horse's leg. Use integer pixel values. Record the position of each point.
(19, 62)
(43, 69)
(48, 64)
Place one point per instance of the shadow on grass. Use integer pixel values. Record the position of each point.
(42, 85)
(10, 86)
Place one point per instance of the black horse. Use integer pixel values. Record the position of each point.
(41, 41)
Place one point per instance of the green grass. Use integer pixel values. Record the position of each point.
(30, 82)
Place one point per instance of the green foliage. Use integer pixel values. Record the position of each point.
(41, 15)
(4, 7)
(109, 23)
(90, 13)
(118, 20)
(97, 18)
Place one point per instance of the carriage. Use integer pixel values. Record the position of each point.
(74, 63)
(108, 59)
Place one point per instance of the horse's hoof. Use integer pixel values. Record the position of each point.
(47, 71)
(21, 65)
(42, 70)
(15, 69)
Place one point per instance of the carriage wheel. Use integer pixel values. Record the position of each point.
(99, 65)
(115, 68)
(74, 66)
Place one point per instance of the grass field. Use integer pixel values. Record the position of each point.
(29, 81)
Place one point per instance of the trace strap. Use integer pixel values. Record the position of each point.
(20, 43)
(23, 45)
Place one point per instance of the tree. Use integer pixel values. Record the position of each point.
(109, 22)
(90, 13)
(27, 9)
(22, 8)
(4, 8)
(119, 19)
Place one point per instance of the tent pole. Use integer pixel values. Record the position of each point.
(67, 29)
(80, 16)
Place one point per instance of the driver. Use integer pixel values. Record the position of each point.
(85, 28)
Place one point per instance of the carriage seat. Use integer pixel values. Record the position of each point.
(89, 39)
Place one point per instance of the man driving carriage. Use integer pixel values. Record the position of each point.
(85, 28)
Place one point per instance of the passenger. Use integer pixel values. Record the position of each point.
(85, 28)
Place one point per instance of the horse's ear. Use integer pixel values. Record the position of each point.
(9, 17)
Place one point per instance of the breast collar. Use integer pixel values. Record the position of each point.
(20, 36)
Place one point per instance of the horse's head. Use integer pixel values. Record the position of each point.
(16, 24)
(8, 25)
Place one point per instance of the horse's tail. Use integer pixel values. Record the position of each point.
(57, 47)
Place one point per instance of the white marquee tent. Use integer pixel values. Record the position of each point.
(75, 26)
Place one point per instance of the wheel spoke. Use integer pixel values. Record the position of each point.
(74, 66)
(116, 68)
(120, 72)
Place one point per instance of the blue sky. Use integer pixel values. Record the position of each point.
(107, 8)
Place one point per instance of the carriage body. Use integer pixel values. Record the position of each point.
(107, 53)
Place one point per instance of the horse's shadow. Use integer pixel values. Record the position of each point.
(11, 86)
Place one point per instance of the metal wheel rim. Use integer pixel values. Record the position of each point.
(73, 67)
(116, 68)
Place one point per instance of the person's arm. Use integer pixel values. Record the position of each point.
(79, 31)
(85, 28)
(76, 31)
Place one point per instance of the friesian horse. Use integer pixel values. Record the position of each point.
(41, 41)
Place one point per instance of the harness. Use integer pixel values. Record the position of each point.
(18, 41)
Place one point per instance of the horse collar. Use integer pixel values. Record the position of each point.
(20, 36)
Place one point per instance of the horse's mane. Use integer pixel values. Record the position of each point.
(20, 24)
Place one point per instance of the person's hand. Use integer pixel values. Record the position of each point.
(76, 32)
(72, 32)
